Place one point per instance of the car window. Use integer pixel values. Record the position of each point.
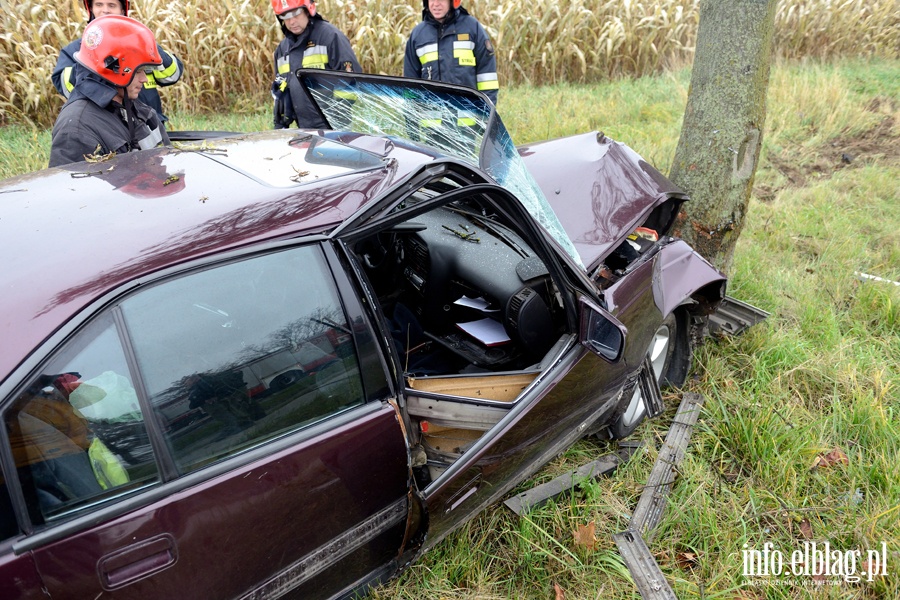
(77, 430)
(242, 353)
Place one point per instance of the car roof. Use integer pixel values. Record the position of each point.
(69, 235)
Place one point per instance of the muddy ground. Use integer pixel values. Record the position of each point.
(879, 144)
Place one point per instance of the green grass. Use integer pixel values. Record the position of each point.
(822, 372)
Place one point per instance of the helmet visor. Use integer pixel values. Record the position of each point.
(290, 14)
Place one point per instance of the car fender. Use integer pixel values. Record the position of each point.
(680, 274)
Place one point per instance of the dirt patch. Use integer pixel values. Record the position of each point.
(879, 143)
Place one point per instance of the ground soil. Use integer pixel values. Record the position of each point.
(879, 144)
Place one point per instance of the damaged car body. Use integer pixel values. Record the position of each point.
(290, 362)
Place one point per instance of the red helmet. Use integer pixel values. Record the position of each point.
(87, 7)
(282, 6)
(115, 47)
(153, 185)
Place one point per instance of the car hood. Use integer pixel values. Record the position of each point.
(600, 189)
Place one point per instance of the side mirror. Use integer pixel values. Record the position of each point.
(601, 333)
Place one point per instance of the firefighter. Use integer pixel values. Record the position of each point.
(67, 70)
(310, 42)
(103, 114)
(450, 45)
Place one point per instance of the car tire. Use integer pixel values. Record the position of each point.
(670, 356)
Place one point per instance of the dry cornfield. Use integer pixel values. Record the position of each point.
(227, 46)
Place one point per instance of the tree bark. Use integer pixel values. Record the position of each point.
(721, 135)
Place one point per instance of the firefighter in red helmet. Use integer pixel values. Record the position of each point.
(67, 70)
(310, 42)
(450, 45)
(103, 114)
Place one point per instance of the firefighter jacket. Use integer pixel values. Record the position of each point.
(320, 46)
(91, 122)
(68, 71)
(456, 51)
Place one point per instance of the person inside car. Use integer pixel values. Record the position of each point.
(67, 71)
(103, 115)
(310, 42)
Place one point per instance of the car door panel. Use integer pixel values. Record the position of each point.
(259, 523)
(574, 394)
(296, 488)
(19, 578)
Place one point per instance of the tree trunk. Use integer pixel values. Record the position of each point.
(721, 134)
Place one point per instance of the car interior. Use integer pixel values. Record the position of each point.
(473, 313)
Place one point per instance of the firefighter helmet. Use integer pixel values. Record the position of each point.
(284, 6)
(115, 47)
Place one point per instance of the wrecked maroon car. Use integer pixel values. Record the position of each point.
(287, 363)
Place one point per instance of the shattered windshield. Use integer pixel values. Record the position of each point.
(454, 121)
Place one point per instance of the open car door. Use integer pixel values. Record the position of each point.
(504, 352)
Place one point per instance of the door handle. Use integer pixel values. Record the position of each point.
(137, 561)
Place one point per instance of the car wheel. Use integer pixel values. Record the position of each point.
(670, 357)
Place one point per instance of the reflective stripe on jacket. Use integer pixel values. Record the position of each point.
(456, 51)
(320, 46)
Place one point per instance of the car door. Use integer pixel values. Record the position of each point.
(18, 575)
(441, 267)
(569, 400)
(154, 463)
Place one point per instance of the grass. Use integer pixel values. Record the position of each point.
(822, 372)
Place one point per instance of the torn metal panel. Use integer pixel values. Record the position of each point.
(734, 316)
(627, 448)
(650, 506)
(539, 495)
(683, 273)
(650, 393)
(647, 575)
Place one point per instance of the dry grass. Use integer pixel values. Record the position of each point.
(227, 46)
